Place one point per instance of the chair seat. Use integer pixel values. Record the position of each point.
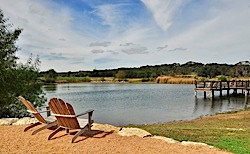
(50, 119)
(82, 122)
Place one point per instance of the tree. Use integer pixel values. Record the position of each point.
(16, 79)
(50, 76)
(121, 75)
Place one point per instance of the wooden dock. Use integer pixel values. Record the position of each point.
(238, 87)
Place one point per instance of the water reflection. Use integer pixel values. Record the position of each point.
(220, 105)
(246, 103)
(50, 87)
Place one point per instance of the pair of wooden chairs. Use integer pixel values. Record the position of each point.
(63, 117)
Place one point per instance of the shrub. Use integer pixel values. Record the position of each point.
(222, 78)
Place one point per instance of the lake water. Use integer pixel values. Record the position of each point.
(123, 104)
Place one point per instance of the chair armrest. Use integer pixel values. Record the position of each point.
(44, 111)
(62, 115)
(89, 111)
(38, 112)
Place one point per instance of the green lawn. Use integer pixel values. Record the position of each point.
(225, 131)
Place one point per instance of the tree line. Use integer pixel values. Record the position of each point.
(210, 70)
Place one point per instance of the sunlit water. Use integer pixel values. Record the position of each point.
(123, 104)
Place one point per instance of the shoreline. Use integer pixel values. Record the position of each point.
(158, 80)
(109, 139)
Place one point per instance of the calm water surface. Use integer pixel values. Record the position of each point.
(123, 104)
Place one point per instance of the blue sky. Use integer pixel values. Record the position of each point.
(73, 35)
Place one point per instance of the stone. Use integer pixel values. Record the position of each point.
(134, 132)
(25, 121)
(8, 121)
(168, 140)
(187, 143)
(105, 127)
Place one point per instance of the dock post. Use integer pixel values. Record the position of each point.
(235, 91)
(212, 93)
(195, 92)
(205, 94)
(220, 88)
(228, 88)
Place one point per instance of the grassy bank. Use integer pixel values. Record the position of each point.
(161, 79)
(230, 131)
(165, 80)
(102, 80)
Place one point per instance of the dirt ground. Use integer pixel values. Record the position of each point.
(15, 140)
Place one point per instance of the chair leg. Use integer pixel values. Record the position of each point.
(78, 133)
(67, 131)
(89, 131)
(54, 132)
(45, 127)
(31, 126)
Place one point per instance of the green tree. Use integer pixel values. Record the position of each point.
(16, 79)
(50, 76)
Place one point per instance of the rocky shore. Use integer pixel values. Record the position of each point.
(104, 127)
(106, 139)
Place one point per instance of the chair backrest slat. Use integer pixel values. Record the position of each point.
(58, 106)
(65, 111)
(33, 109)
(72, 112)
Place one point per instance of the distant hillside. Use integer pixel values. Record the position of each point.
(210, 70)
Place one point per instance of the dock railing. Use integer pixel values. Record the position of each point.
(235, 85)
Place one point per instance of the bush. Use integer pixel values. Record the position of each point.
(222, 78)
(145, 80)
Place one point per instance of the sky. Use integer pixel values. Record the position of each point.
(74, 35)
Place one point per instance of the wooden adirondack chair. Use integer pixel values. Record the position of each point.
(67, 119)
(48, 121)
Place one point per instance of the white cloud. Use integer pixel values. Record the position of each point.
(44, 30)
(164, 10)
(113, 34)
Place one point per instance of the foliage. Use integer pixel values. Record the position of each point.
(16, 79)
(145, 79)
(74, 79)
(222, 78)
(50, 76)
(211, 70)
(121, 75)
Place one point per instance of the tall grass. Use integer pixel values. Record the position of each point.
(72, 79)
(174, 80)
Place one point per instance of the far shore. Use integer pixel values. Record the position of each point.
(158, 80)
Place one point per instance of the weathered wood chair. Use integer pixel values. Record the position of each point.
(49, 121)
(67, 119)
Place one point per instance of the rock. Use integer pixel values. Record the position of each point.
(168, 140)
(8, 121)
(25, 121)
(134, 132)
(105, 127)
(187, 143)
